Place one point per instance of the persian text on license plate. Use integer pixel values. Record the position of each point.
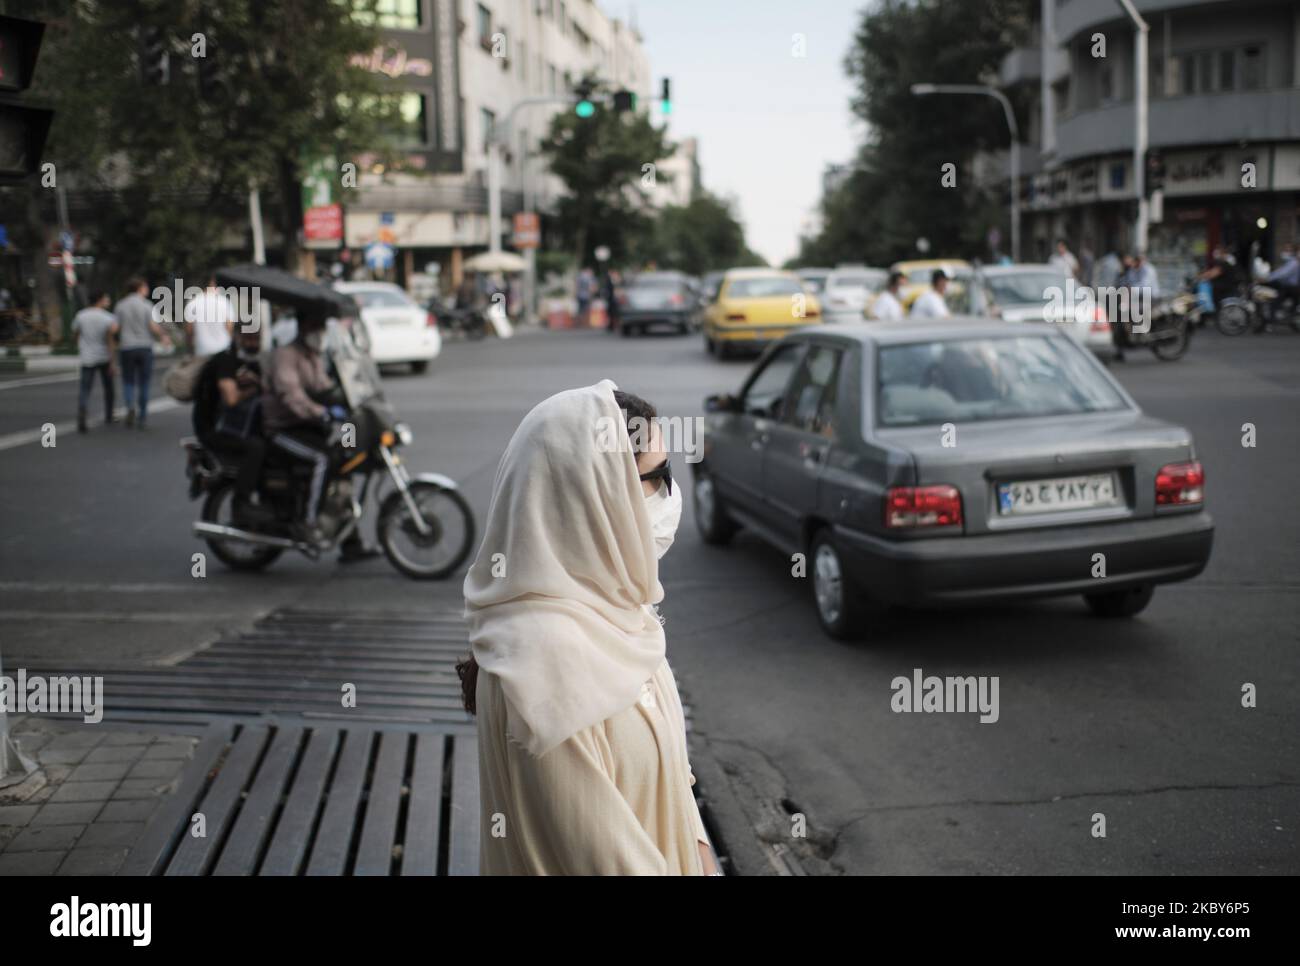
(1059, 494)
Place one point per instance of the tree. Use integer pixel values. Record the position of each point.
(894, 194)
(168, 167)
(602, 161)
(703, 236)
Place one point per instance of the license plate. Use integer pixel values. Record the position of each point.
(1058, 495)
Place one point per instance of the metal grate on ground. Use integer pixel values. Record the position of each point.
(298, 799)
(296, 662)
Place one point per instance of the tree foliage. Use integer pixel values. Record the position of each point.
(699, 237)
(893, 194)
(170, 170)
(601, 160)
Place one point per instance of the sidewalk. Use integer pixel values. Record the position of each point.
(87, 804)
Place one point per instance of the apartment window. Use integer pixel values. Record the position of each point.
(550, 74)
(1156, 81)
(1252, 68)
(1227, 70)
(1205, 72)
(397, 14)
(484, 26)
(1106, 83)
(487, 121)
(568, 82)
(1187, 74)
(523, 61)
(564, 18)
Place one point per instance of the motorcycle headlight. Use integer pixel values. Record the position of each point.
(403, 434)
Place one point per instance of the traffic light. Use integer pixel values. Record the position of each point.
(624, 101)
(584, 106)
(666, 97)
(155, 61)
(23, 125)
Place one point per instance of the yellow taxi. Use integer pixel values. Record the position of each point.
(917, 276)
(754, 306)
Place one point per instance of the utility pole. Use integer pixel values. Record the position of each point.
(1141, 133)
(987, 91)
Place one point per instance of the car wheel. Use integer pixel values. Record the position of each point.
(625, 329)
(842, 608)
(1121, 603)
(420, 366)
(710, 512)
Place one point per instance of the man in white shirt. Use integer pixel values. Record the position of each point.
(210, 319)
(930, 303)
(1064, 259)
(887, 307)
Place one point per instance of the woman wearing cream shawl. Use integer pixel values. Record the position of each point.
(582, 747)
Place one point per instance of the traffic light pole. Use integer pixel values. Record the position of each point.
(1141, 107)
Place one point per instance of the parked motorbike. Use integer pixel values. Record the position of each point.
(425, 526)
(1260, 307)
(468, 321)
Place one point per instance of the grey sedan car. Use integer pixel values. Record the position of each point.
(943, 462)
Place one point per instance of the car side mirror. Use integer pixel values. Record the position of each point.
(720, 403)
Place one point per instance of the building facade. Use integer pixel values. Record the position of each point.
(1224, 123)
(457, 68)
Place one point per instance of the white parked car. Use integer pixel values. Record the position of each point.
(398, 329)
(1039, 293)
(848, 291)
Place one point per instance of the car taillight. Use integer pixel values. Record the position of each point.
(1180, 484)
(811, 314)
(431, 321)
(675, 298)
(735, 316)
(922, 506)
(1099, 321)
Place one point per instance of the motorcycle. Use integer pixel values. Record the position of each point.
(468, 321)
(425, 526)
(1168, 331)
(1262, 306)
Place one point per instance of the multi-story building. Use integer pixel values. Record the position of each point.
(1224, 121)
(458, 67)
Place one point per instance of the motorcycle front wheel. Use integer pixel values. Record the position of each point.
(219, 508)
(1174, 346)
(433, 555)
(1233, 319)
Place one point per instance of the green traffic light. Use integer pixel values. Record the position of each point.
(585, 109)
(666, 107)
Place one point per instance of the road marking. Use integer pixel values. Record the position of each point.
(33, 435)
(40, 380)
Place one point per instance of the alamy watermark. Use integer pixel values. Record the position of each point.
(952, 694)
(245, 302)
(679, 434)
(61, 694)
(1130, 306)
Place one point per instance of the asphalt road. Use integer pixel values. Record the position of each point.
(1140, 721)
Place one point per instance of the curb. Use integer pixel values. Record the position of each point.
(728, 825)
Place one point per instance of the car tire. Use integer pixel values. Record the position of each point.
(843, 609)
(420, 366)
(625, 330)
(711, 519)
(1121, 603)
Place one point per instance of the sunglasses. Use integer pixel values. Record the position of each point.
(661, 472)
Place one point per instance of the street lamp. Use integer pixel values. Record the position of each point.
(1141, 106)
(922, 90)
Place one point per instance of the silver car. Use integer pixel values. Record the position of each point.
(1042, 293)
(950, 461)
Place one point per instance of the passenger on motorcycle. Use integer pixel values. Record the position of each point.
(296, 421)
(227, 418)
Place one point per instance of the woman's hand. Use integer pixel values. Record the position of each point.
(706, 858)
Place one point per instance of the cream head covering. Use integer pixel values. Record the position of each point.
(558, 597)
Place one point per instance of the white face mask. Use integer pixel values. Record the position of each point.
(314, 340)
(665, 513)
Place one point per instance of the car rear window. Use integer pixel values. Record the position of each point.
(971, 380)
(659, 284)
(1030, 288)
(764, 287)
(375, 299)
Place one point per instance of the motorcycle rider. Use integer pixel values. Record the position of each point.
(295, 421)
(1286, 277)
(227, 417)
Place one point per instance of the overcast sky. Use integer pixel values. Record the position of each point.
(767, 121)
